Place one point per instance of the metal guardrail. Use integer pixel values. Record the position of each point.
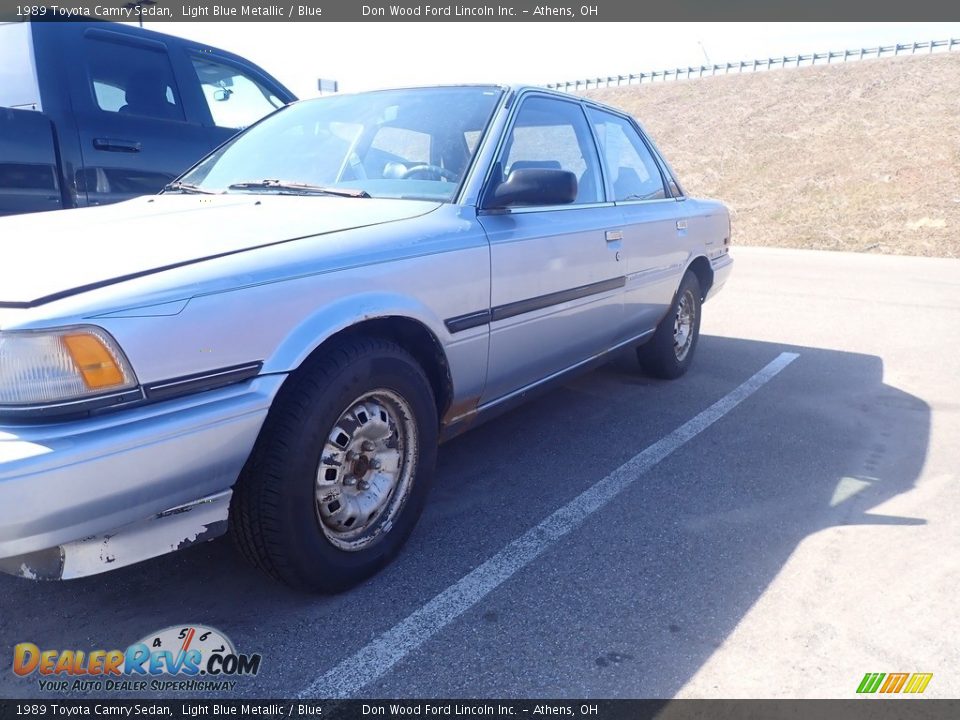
(773, 63)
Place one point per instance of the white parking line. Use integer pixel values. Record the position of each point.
(375, 659)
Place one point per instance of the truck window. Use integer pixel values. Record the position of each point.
(132, 80)
(18, 77)
(234, 98)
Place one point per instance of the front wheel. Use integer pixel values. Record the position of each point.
(342, 467)
(670, 351)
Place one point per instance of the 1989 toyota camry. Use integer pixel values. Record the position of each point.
(277, 342)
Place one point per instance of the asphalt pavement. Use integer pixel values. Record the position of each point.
(777, 523)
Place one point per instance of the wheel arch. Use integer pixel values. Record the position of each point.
(700, 267)
(414, 337)
(390, 319)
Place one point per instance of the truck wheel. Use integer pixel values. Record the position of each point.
(670, 351)
(341, 470)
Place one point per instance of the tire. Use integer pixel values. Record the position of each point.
(669, 352)
(291, 509)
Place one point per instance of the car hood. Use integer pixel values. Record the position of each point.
(47, 256)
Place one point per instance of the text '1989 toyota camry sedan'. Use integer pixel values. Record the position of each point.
(276, 344)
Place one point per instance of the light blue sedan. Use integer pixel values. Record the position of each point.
(276, 344)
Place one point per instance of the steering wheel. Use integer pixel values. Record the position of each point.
(434, 172)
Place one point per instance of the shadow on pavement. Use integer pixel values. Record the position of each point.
(631, 604)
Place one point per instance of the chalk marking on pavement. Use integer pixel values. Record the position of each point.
(374, 660)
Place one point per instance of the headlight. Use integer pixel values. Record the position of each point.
(59, 366)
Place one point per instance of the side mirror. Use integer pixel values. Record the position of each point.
(535, 186)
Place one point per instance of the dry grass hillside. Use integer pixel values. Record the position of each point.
(862, 156)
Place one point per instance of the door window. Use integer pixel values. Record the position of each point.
(634, 174)
(132, 80)
(235, 99)
(552, 133)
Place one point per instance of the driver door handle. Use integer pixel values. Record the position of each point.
(614, 235)
(117, 145)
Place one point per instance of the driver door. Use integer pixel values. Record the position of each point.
(556, 274)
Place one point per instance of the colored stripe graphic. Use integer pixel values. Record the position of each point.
(894, 682)
(870, 682)
(914, 683)
(918, 683)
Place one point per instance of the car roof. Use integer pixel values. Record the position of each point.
(507, 88)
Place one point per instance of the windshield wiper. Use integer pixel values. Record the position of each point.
(177, 186)
(305, 188)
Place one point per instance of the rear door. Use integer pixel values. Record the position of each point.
(556, 275)
(654, 226)
(132, 122)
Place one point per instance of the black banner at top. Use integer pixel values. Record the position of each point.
(484, 11)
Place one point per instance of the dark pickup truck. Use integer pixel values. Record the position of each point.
(95, 112)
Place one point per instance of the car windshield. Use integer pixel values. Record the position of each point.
(414, 144)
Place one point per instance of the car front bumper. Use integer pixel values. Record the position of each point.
(118, 488)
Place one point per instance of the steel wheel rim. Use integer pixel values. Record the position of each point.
(683, 323)
(366, 470)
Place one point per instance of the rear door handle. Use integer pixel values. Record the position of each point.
(614, 235)
(681, 224)
(116, 145)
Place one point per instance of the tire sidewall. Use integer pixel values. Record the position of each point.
(309, 551)
(689, 283)
(657, 357)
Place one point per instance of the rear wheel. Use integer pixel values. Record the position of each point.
(342, 467)
(670, 351)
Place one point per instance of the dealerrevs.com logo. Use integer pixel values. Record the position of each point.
(178, 658)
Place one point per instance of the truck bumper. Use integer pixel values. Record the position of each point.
(87, 496)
